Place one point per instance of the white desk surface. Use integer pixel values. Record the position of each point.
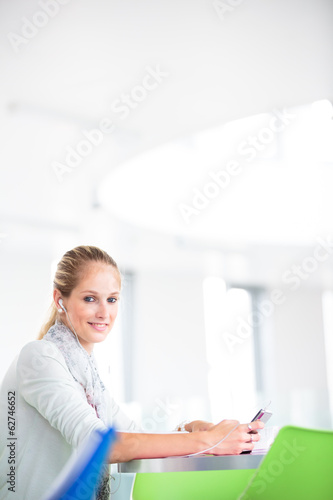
(197, 463)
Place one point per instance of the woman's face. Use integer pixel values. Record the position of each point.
(92, 306)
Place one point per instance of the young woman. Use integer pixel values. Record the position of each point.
(58, 399)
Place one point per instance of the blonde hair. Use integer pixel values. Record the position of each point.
(69, 272)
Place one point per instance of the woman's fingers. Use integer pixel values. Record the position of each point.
(238, 437)
(256, 425)
(251, 438)
(251, 435)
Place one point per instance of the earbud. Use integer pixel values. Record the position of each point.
(62, 307)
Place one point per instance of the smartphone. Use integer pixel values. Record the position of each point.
(263, 416)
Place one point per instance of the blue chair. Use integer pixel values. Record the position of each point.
(81, 474)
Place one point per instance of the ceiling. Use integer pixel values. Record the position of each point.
(208, 66)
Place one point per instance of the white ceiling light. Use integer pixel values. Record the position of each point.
(269, 200)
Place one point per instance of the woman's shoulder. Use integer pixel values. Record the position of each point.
(41, 358)
(36, 349)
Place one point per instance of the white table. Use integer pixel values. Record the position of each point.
(197, 463)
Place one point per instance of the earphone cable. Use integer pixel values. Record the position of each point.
(214, 446)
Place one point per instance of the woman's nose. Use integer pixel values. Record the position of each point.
(102, 310)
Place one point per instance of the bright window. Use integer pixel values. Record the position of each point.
(230, 350)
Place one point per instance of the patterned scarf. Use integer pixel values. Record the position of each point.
(83, 369)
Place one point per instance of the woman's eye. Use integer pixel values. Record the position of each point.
(89, 299)
(112, 299)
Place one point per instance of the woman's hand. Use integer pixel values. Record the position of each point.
(236, 438)
(198, 425)
(242, 437)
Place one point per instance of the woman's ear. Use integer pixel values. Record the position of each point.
(56, 298)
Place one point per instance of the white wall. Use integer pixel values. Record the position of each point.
(169, 345)
(24, 298)
(295, 378)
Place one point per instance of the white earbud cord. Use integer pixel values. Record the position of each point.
(81, 347)
(214, 446)
(69, 320)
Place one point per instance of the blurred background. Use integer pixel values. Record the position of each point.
(192, 140)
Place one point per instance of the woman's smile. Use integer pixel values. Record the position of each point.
(98, 326)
